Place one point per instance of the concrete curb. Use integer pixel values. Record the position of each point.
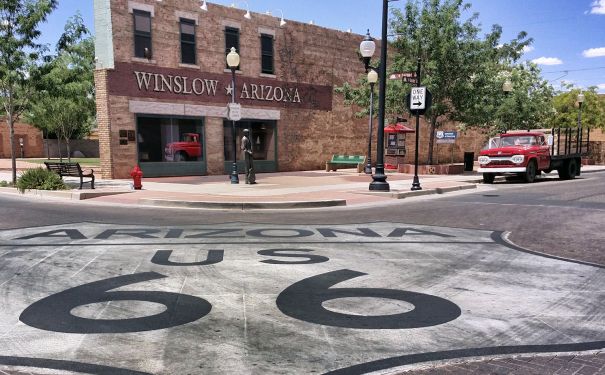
(406, 194)
(76, 195)
(243, 205)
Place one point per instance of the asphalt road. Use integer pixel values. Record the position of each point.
(110, 289)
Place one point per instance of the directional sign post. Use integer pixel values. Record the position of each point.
(418, 99)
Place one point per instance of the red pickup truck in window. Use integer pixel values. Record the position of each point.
(189, 149)
(529, 153)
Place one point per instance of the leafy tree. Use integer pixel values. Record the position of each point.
(19, 22)
(566, 108)
(64, 103)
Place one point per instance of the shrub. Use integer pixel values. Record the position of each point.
(41, 179)
(4, 183)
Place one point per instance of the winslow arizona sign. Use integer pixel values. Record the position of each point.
(137, 80)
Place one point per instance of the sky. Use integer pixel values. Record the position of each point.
(569, 35)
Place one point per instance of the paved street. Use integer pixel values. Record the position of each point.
(434, 284)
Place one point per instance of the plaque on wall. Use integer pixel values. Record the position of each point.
(131, 137)
(123, 134)
(123, 142)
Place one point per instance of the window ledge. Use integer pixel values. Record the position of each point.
(189, 66)
(266, 75)
(229, 71)
(143, 60)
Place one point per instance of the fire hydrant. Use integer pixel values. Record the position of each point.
(137, 175)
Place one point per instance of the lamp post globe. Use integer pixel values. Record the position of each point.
(372, 79)
(367, 47)
(507, 87)
(233, 61)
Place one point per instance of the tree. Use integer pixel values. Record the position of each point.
(64, 103)
(19, 21)
(566, 107)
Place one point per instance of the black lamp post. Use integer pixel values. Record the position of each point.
(372, 79)
(580, 101)
(233, 63)
(379, 179)
(507, 87)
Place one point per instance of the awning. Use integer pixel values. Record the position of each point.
(398, 128)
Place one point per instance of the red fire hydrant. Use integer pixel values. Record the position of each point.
(137, 175)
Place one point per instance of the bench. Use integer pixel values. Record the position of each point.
(72, 170)
(348, 160)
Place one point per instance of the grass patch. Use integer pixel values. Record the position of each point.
(83, 161)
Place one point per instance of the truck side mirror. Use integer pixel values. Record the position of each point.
(550, 140)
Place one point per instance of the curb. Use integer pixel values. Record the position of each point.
(243, 205)
(450, 189)
(63, 194)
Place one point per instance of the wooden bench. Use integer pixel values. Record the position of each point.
(72, 170)
(346, 160)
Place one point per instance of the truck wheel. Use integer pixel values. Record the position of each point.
(569, 170)
(488, 178)
(180, 157)
(530, 172)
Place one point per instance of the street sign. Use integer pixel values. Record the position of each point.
(234, 111)
(446, 136)
(407, 77)
(418, 99)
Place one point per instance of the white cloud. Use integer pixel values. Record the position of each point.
(547, 61)
(601, 86)
(527, 49)
(594, 52)
(598, 7)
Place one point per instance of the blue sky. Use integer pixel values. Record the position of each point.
(569, 35)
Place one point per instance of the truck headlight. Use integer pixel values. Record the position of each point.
(518, 159)
(483, 159)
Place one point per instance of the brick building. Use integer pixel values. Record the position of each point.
(163, 87)
(33, 145)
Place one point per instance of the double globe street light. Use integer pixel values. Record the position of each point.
(367, 49)
(233, 61)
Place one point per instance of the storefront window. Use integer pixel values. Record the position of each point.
(262, 135)
(169, 139)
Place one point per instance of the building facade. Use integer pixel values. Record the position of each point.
(163, 86)
(27, 139)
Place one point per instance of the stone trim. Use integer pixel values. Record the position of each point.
(265, 75)
(266, 31)
(189, 66)
(231, 23)
(132, 5)
(176, 109)
(143, 60)
(186, 15)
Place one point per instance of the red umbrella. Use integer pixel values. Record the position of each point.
(397, 128)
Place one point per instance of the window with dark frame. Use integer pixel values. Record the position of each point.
(142, 33)
(231, 40)
(266, 46)
(187, 41)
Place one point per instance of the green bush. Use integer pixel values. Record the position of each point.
(41, 179)
(4, 183)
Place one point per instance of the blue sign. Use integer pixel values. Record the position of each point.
(446, 136)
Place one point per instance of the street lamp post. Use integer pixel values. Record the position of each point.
(367, 47)
(233, 62)
(580, 101)
(372, 79)
(507, 87)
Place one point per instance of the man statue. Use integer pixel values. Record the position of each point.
(247, 148)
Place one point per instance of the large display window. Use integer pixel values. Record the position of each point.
(264, 143)
(170, 146)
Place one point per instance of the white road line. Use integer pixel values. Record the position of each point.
(86, 265)
(29, 268)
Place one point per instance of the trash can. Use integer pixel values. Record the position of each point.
(469, 161)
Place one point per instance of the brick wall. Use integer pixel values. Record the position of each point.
(33, 146)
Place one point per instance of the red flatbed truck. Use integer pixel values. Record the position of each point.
(526, 154)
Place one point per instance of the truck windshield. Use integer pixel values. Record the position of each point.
(518, 140)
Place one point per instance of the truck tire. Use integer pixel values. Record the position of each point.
(180, 156)
(569, 170)
(488, 178)
(530, 172)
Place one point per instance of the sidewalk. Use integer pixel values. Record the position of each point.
(305, 189)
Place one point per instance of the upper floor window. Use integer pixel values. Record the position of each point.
(187, 41)
(142, 33)
(266, 46)
(231, 40)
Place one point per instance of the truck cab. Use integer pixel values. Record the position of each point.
(189, 148)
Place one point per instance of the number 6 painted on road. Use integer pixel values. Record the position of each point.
(303, 300)
(53, 313)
